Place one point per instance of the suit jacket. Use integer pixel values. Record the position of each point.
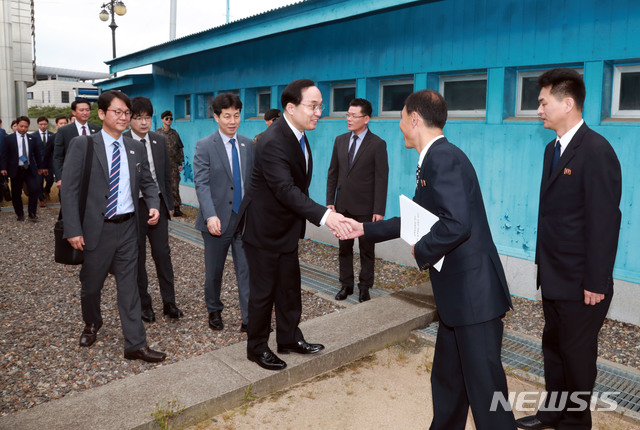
(579, 218)
(9, 159)
(62, 140)
(213, 178)
(471, 287)
(361, 189)
(162, 165)
(91, 225)
(277, 204)
(45, 150)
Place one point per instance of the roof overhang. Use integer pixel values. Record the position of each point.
(124, 81)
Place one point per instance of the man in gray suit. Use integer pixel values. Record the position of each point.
(158, 234)
(222, 166)
(108, 232)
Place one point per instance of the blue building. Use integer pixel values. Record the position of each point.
(484, 56)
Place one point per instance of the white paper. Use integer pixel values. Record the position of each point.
(415, 222)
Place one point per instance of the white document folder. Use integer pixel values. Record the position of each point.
(415, 222)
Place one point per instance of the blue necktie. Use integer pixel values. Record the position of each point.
(237, 176)
(114, 181)
(556, 157)
(302, 144)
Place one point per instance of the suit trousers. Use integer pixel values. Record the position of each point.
(215, 257)
(367, 258)
(159, 242)
(467, 371)
(570, 349)
(46, 182)
(17, 182)
(275, 279)
(117, 249)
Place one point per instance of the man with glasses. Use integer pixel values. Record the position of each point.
(176, 155)
(158, 157)
(276, 208)
(357, 188)
(108, 232)
(81, 109)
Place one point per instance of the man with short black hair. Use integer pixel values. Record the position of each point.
(61, 121)
(158, 234)
(275, 209)
(81, 110)
(357, 188)
(269, 116)
(176, 155)
(108, 232)
(222, 164)
(578, 227)
(45, 141)
(21, 161)
(470, 289)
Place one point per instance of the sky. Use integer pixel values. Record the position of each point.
(70, 35)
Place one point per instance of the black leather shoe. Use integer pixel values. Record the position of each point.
(177, 212)
(89, 334)
(532, 423)
(172, 311)
(33, 218)
(20, 218)
(364, 295)
(215, 320)
(148, 315)
(267, 360)
(344, 293)
(244, 328)
(301, 347)
(146, 354)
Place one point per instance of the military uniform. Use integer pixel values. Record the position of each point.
(176, 157)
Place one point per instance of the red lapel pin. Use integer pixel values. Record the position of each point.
(567, 171)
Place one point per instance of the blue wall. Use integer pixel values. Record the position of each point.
(423, 42)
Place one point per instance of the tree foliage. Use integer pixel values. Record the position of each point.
(51, 112)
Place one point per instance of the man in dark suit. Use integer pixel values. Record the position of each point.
(158, 234)
(22, 161)
(108, 232)
(222, 166)
(81, 110)
(357, 188)
(276, 208)
(471, 290)
(578, 227)
(45, 141)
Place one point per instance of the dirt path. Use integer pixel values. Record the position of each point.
(387, 390)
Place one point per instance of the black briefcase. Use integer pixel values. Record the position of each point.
(65, 253)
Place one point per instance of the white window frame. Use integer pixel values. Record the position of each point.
(616, 112)
(339, 86)
(389, 82)
(475, 113)
(521, 75)
(258, 94)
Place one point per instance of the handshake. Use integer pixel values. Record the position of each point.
(346, 228)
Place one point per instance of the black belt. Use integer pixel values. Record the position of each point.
(117, 219)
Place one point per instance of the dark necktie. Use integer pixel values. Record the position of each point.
(237, 176)
(84, 132)
(352, 150)
(302, 144)
(44, 139)
(114, 181)
(24, 153)
(556, 157)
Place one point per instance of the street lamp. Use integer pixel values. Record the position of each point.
(108, 9)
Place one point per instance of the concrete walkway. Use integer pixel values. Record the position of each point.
(217, 381)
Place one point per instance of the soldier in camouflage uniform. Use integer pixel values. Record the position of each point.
(176, 155)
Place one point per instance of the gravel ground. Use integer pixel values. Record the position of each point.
(41, 318)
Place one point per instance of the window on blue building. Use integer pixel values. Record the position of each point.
(203, 106)
(527, 93)
(626, 92)
(341, 96)
(466, 95)
(264, 101)
(392, 96)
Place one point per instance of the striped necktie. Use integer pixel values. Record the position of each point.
(114, 181)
